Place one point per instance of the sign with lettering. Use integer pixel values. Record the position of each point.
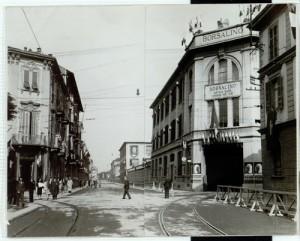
(221, 35)
(222, 91)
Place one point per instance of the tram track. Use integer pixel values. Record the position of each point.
(163, 226)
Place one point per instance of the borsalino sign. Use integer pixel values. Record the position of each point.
(221, 36)
(222, 91)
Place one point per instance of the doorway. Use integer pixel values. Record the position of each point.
(224, 164)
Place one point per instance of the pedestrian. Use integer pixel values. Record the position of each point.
(167, 186)
(70, 185)
(61, 185)
(55, 188)
(40, 187)
(47, 188)
(31, 188)
(20, 193)
(126, 188)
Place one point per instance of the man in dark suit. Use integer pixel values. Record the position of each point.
(126, 188)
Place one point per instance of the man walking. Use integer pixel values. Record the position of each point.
(20, 193)
(167, 186)
(126, 188)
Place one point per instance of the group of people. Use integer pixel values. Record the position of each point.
(53, 187)
(167, 187)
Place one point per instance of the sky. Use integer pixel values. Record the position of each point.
(113, 51)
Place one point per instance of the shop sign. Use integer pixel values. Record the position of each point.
(222, 91)
(221, 36)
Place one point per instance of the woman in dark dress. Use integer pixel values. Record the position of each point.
(40, 187)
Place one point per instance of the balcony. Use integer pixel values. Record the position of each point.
(26, 140)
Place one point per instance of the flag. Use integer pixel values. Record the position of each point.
(183, 41)
(241, 13)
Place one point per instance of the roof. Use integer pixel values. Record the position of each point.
(266, 15)
(134, 142)
(31, 54)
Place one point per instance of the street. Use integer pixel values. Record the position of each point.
(103, 212)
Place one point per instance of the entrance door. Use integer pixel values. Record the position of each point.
(224, 165)
(25, 170)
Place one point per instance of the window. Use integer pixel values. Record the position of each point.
(166, 134)
(273, 42)
(179, 126)
(191, 81)
(236, 112)
(26, 79)
(30, 80)
(180, 90)
(223, 113)
(179, 163)
(165, 165)
(173, 130)
(157, 116)
(29, 124)
(167, 105)
(173, 98)
(222, 74)
(190, 118)
(162, 111)
(161, 137)
(154, 119)
(235, 72)
(156, 167)
(172, 158)
(274, 94)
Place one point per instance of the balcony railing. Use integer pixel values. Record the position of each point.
(37, 140)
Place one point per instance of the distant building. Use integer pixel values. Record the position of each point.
(278, 95)
(133, 154)
(115, 170)
(205, 118)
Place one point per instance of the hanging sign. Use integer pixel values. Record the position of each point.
(222, 91)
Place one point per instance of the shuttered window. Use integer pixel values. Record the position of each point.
(34, 81)
(222, 75)
(167, 105)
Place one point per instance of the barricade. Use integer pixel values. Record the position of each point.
(275, 203)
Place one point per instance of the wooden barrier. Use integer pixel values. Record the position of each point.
(275, 203)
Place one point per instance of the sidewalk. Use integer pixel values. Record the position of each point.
(15, 212)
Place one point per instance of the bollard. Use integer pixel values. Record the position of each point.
(159, 187)
(153, 186)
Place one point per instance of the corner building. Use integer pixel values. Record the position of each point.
(206, 117)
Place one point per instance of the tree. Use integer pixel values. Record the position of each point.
(11, 107)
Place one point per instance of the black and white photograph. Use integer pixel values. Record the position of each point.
(151, 120)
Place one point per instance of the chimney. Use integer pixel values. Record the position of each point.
(50, 55)
(25, 48)
(39, 50)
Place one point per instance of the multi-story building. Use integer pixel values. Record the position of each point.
(278, 95)
(205, 118)
(133, 154)
(115, 170)
(45, 134)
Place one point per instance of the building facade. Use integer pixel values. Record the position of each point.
(115, 170)
(133, 154)
(278, 95)
(205, 119)
(40, 137)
